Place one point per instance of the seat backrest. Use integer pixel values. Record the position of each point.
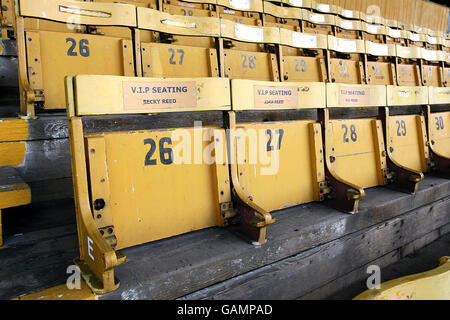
(277, 163)
(249, 52)
(240, 8)
(433, 67)
(282, 17)
(64, 38)
(317, 23)
(380, 65)
(302, 56)
(373, 32)
(406, 136)
(408, 69)
(345, 62)
(184, 46)
(348, 29)
(439, 122)
(163, 174)
(355, 147)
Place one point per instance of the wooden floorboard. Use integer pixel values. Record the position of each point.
(42, 243)
(298, 275)
(175, 267)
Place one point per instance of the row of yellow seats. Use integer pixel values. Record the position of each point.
(142, 184)
(329, 14)
(49, 50)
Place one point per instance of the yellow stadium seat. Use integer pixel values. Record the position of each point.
(430, 285)
(176, 45)
(345, 63)
(248, 52)
(318, 23)
(61, 38)
(275, 164)
(373, 32)
(355, 149)
(176, 180)
(438, 124)
(433, 67)
(380, 65)
(408, 69)
(302, 56)
(282, 17)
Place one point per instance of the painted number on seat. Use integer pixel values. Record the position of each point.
(270, 146)
(189, 12)
(439, 123)
(83, 48)
(165, 154)
(172, 57)
(401, 128)
(353, 135)
(300, 66)
(248, 61)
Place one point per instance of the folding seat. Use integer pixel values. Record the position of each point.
(282, 17)
(302, 56)
(437, 115)
(433, 42)
(380, 63)
(7, 19)
(373, 32)
(203, 8)
(417, 39)
(355, 152)
(177, 45)
(348, 29)
(397, 36)
(138, 179)
(346, 60)
(408, 65)
(318, 23)
(248, 52)
(275, 146)
(60, 38)
(405, 129)
(433, 67)
(244, 12)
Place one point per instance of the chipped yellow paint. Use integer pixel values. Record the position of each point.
(12, 129)
(430, 285)
(61, 293)
(12, 153)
